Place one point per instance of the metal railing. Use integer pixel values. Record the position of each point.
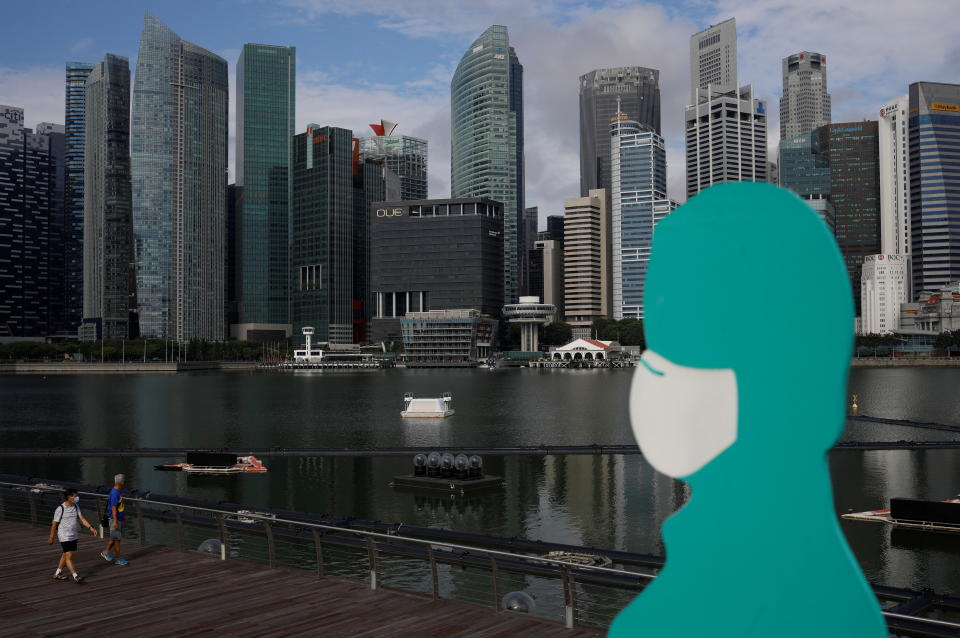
(570, 592)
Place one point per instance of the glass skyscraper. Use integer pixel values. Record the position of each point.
(72, 232)
(266, 79)
(486, 106)
(179, 168)
(637, 91)
(805, 169)
(403, 155)
(107, 223)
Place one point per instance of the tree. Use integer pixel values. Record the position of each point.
(557, 333)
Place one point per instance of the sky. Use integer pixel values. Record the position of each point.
(362, 60)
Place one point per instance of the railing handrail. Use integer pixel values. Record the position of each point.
(359, 532)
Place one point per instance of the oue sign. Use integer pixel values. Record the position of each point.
(389, 212)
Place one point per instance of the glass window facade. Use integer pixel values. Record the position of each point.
(72, 232)
(405, 156)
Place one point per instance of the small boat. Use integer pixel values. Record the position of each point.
(214, 463)
(426, 408)
(941, 516)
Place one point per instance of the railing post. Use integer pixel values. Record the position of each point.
(32, 498)
(493, 571)
(568, 607)
(433, 573)
(179, 529)
(372, 558)
(270, 549)
(141, 528)
(319, 548)
(223, 537)
(99, 514)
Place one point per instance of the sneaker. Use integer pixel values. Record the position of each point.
(78, 579)
(60, 576)
(107, 557)
(121, 561)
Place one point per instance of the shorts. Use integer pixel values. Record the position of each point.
(116, 533)
(68, 546)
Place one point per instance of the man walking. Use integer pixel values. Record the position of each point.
(115, 517)
(66, 521)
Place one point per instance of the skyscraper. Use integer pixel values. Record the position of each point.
(934, 135)
(108, 261)
(486, 104)
(404, 156)
(637, 89)
(71, 242)
(586, 260)
(266, 79)
(805, 169)
(638, 175)
(179, 168)
(805, 104)
(894, 151)
(713, 59)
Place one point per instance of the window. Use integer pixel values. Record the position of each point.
(310, 277)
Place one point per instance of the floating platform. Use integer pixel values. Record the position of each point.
(447, 484)
(939, 516)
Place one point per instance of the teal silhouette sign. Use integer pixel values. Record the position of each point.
(737, 271)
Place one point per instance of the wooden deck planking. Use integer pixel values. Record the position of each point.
(166, 593)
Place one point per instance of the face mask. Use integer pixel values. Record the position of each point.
(682, 417)
(76, 499)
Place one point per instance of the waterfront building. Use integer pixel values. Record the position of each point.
(486, 108)
(447, 338)
(638, 176)
(603, 92)
(71, 236)
(438, 254)
(804, 168)
(586, 260)
(266, 119)
(29, 191)
(934, 139)
(529, 314)
(894, 151)
(883, 288)
(108, 249)
(585, 349)
(178, 161)
(713, 59)
(852, 156)
(403, 155)
(934, 311)
(805, 104)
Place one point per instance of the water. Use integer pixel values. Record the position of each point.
(604, 501)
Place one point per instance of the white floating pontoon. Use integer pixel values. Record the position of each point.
(426, 408)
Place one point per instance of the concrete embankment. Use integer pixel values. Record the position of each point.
(71, 367)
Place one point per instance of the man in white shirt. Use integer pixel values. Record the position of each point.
(66, 523)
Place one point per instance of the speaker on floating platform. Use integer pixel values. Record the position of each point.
(433, 464)
(446, 465)
(461, 467)
(476, 467)
(420, 465)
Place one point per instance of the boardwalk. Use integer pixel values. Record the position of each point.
(165, 592)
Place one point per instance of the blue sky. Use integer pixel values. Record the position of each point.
(362, 60)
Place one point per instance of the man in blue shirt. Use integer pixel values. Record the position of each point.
(115, 516)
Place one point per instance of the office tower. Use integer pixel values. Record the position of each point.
(713, 59)
(546, 272)
(852, 155)
(934, 138)
(369, 186)
(805, 104)
(586, 260)
(637, 90)
(28, 184)
(437, 254)
(232, 265)
(726, 139)
(530, 221)
(322, 234)
(53, 137)
(554, 228)
(404, 156)
(178, 161)
(107, 216)
(638, 194)
(71, 241)
(486, 103)
(894, 177)
(883, 287)
(805, 169)
(266, 79)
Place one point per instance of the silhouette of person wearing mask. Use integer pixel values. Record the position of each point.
(739, 270)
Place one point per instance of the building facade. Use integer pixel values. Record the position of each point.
(726, 138)
(447, 338)
(713, 59)
(894, 149)
(805, 104)
(934, 311)
(586, 261)
(404, 156)
(486, 107)
(108, 252)
(638, 167)
(178, 162)
(883, 287)
(934, 139)
(71, 241)
(547, 273)
(636, 90)
(804, 168)
(266, 120)
(441, 254)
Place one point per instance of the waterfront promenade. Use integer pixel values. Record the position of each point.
(165, 592)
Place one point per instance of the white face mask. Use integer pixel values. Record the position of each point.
(76, 499)
(682, 417)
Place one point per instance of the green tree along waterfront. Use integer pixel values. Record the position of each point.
(133, 350)
(627, 332)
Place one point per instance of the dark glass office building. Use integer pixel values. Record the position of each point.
(439, 254)
(71, 242)
(638, 91)
(934, 139)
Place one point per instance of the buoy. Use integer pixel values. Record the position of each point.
(853, 403)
